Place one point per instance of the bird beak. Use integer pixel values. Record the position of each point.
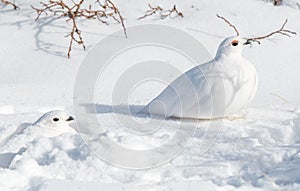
(247, 42)
(70, 118)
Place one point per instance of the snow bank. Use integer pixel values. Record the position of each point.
(258, 152)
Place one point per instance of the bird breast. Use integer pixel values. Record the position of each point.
(240, 84)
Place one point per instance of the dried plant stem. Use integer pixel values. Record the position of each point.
(74, 11)
(10, 3)
(229, 23)
(163, 13)
(281, 31)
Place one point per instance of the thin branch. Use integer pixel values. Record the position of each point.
(277, 2)
(111, 10)
(121, 19)
(170, 12)
(58, 7)
(74, 11)
(280, 97)
(281, 31)
(163, 13)
(231, 25)
(150, 12)
(10, 3)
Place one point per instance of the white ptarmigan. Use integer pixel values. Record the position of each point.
(50, 124)
(218, 88)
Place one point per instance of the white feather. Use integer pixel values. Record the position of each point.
(218, 88)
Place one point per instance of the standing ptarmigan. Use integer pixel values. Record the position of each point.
(218, 88)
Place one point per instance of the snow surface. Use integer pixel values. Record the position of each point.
(258, 152)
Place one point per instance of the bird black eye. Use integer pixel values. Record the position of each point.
(235, 43)
(55, 119)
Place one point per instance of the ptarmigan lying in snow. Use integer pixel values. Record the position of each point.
(218, 88)
(51, 124)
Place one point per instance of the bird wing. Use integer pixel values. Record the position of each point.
(183, 95)
(18, 140)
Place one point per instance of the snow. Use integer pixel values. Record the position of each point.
(257, 151)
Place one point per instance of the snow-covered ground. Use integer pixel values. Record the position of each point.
(257, 152)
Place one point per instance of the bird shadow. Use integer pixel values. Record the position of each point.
(128, 110)
(134, 111)
(40, 28)
(124, 109)
(7, 158)
(206, 33)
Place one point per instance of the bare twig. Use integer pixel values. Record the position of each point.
(111, 10)
(298, 5)
(280, 97)
(281, 31)
(74, 11)
(58, 7)
(231, 25)
(173, 12)
(116, 11)
(169, 13)
(151, 11)
(277, 2)
(10, 3)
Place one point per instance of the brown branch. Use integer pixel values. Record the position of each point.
(231, 25)
(116, 11)
(10, 3)
(58, 7)
(150, 12)
(163, 13)
(111, 10)
(170, 12)
(74, 11)
(277, 2)
(281, 31)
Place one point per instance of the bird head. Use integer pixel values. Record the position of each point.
(231, 46)
(54, 119)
